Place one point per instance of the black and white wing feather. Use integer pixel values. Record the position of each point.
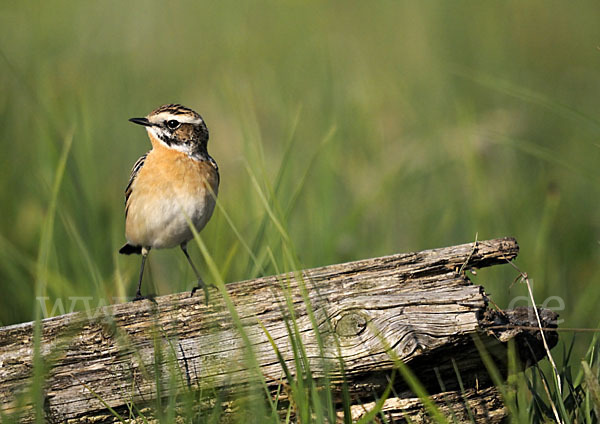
(134, 172)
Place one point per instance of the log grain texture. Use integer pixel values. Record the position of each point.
(419, 308)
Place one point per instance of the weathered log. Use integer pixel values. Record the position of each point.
(419, 308)
(484, 406)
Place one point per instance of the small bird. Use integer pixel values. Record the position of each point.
(172, 186)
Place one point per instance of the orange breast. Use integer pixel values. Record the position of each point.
(170, 188)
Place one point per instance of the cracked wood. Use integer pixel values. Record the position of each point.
(414, 303)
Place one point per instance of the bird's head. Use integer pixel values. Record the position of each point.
(177, 127)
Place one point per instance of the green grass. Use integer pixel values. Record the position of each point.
(343, 130)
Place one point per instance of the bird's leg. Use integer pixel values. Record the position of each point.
(201, 284)
(138, 294)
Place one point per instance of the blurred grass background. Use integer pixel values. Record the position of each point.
(374, 127)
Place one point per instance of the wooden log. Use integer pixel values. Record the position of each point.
(419, 308)
(484, 406)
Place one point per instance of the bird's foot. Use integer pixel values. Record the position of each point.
(201, 285)
(138, 296)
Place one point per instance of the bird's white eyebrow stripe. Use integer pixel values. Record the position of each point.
(184, 119)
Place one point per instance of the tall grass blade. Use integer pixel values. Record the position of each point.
(39, 367)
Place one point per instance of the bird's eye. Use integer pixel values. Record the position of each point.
(172, 124)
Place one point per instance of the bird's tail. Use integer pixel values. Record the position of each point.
(129, 249)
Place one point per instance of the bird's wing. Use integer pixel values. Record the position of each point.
(134, 172)
(213, 163)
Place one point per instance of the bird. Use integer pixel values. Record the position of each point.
(171, 187)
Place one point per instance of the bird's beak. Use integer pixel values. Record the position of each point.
(141, 121)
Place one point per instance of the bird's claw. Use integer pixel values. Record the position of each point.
(202, 286)
(138, 296)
